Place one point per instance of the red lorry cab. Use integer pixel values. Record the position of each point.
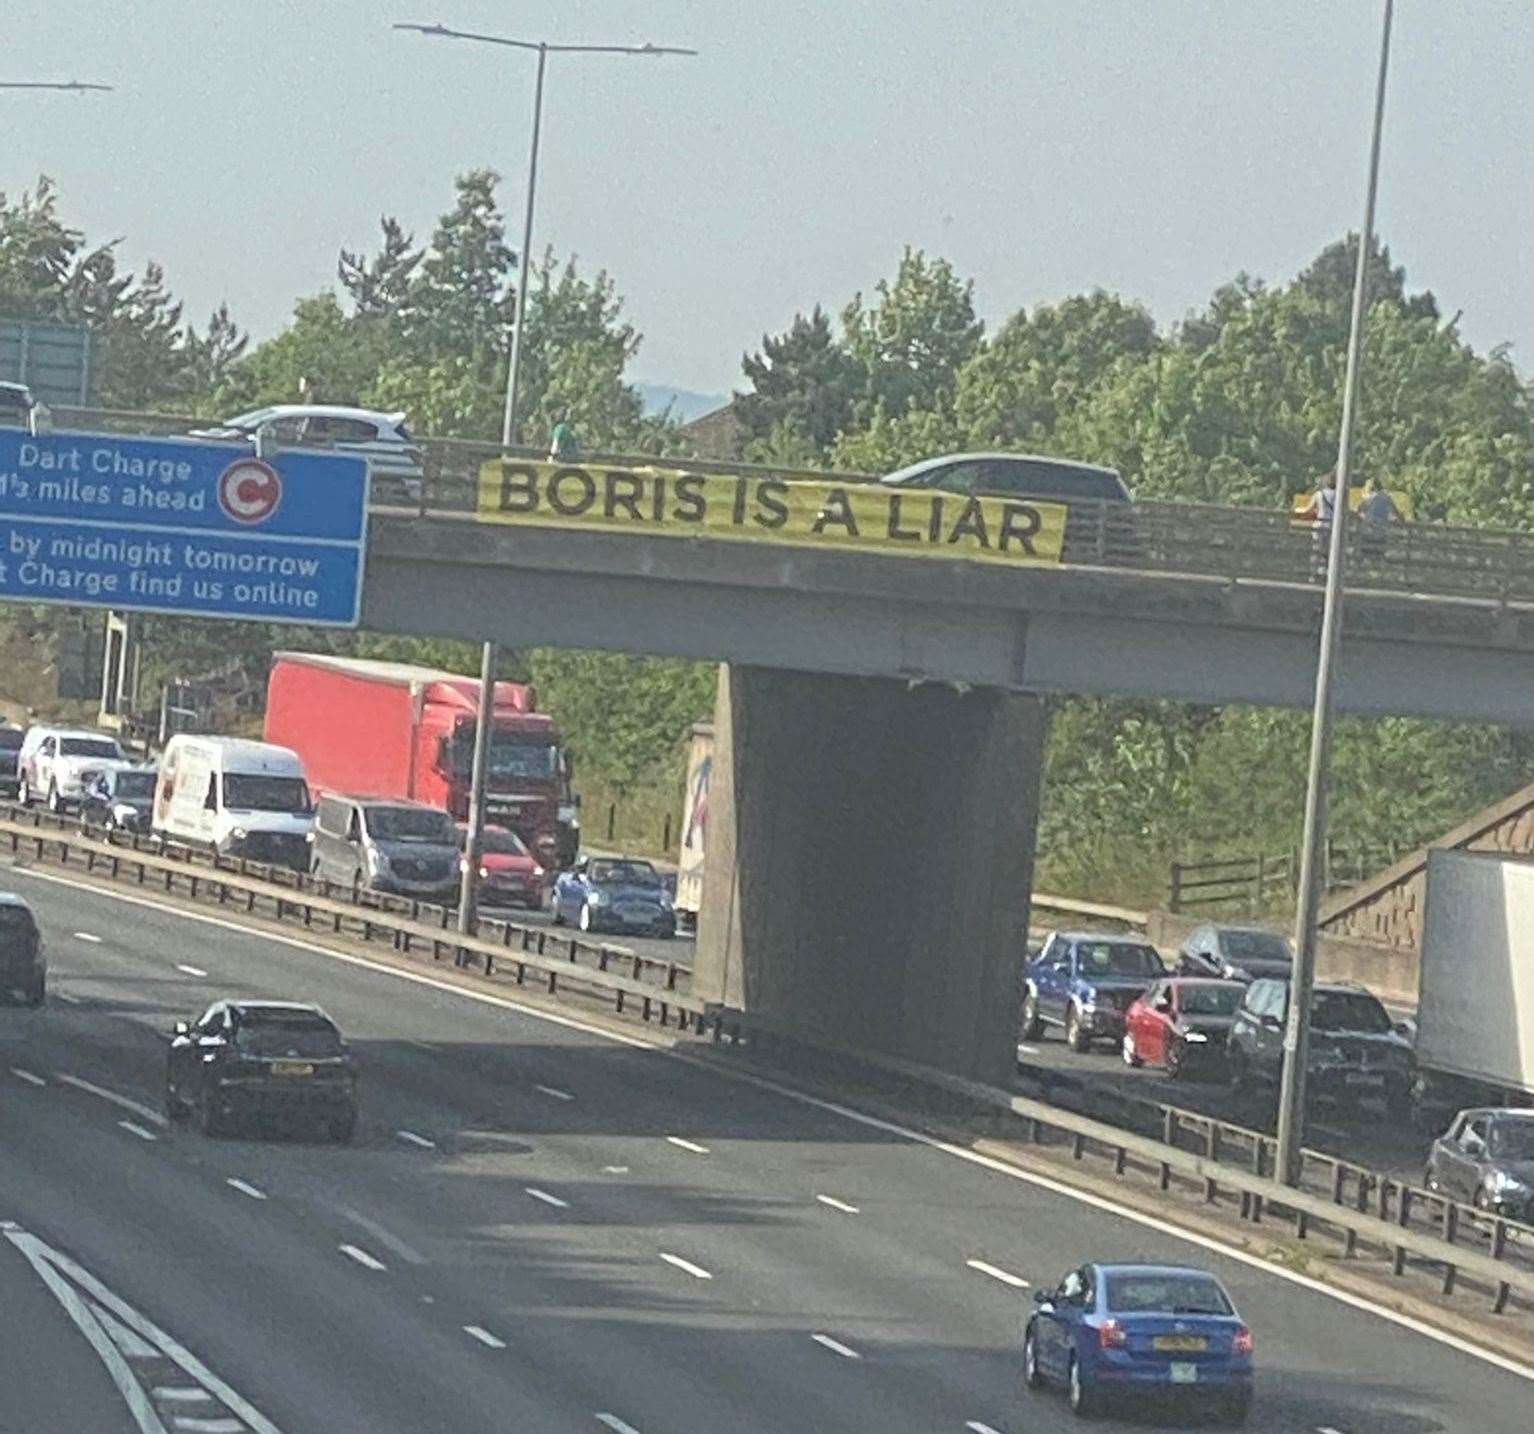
(392, 729)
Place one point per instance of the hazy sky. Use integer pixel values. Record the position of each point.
(1044, 146)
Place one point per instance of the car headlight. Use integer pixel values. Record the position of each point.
(1235, 973)
(1502, 1184)
(238, 834)
(1196, 1037)
(124, 813)
(597, 897)
(484, 873)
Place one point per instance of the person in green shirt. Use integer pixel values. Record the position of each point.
(562, 445)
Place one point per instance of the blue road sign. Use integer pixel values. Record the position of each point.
(181, 526)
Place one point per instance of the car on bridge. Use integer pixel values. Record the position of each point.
(1486, 1158)
(1235, 953)
(23, 966)
(1139, 1335)
(264, 1061)
(1356, 1053)
(1084, 982)
(1181, 1025)
(617, 894)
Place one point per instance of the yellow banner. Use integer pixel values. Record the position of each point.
(864, 517)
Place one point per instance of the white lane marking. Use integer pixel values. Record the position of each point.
(1327, 1429)
(131, 1344)
(548, 1199)
(615, 1170)
(195, 1425)
(386, 1238)
(362, 1258)
(245, 1189)
(422, 1045)
(137, 1130)
(614, 1423)
(68, 998)
(686, 1266)
(1005, 1276)
(691, 1145)
(193, 971)
(669, 1047)
(39, 1253)
(182, 1394)
(484, 1336)
(554, 1092)
(123, 1102)
(411, 1138)
(836, 1204)
(978, 1428)
(1028, 1050)
(27, 1076)
(86, 936)
(835, 1346)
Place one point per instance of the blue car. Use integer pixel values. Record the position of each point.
(1084, 982)
(613, 894)
(1137, 1335)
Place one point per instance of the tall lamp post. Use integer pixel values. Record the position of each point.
(79, 87)
(1291, 1104)
(543, 49)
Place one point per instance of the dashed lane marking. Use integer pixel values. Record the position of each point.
(181, 1394)
(362, 1258)
(686, 1266)
(411, 1138)
(611, 1421)
(835, 1346)
(245, 1189)
(68, 998)
(691, 1145)
(193, 1424)
(615, 1170)
(138, 1130)
(87, 937)
(387, 1238)
(976, 1427)
(554, 1092)
(196, 971)
(484, 1337)
(548, 1199)
(123, 1102)
(1005, 1276)
(836, 1204)
(27, 1076)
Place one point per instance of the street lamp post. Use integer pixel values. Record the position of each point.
(543, 49)
(1291, 1104)
(78, 87)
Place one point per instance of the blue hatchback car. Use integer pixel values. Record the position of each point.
(1141, 1334)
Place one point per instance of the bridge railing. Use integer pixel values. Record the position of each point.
(1206, 540)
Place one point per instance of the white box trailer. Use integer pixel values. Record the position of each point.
(689, 872)
(1475, 1017)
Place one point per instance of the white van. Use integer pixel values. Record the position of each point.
(238, 797)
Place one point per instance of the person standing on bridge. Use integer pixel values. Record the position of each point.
(562, 445)
(1319, 510)
(1376, 513)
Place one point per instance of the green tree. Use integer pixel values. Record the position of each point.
(803, 382)
(324, 352)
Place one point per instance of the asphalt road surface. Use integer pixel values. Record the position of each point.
(544, 1228)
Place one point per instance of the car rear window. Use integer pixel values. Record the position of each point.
(1118, 958)
(1349, 1011)
(1211, 1000)
(1255, 946)
(90, 747)
(629, 873)
(1166, 1294)
(277, 1035)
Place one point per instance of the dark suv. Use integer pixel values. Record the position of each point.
(23, 968)
(1355, 1052)
(254, 1060)
(10, 749)
(1085, 982)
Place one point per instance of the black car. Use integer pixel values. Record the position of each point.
(261, 1060)
(1486, 1158)
(10, 746)
(120, 800)
(1235, 953)
(23, 967)
(1355, 1051)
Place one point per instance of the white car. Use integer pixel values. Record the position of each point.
(55, 763)
(382, 438)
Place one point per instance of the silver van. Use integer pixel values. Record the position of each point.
(402, 847)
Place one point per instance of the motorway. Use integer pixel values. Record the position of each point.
(546, 1227)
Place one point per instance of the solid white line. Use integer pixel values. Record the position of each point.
(137, 1130)
(86, 936)
(245, 1189)
(124, 1102)
(686, 1266)
(835, 1346)
(836, 1204)
(691, 1145)
(193, 971)
(548, 1199)
(133, 1345)
(484, 1336)
(978, 1428)
(1006, 1277)
(616, 1424)
(363, 1258)
(552, 1091)
(27, 1076)
(386, 1238)
(411, 1138)
(254, 1419)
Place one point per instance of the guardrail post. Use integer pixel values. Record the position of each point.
(1500, 1302)
(1078, 1145)
(1339, 1178)
(1450, 1270)
(1450, 1221)
(1168, 1127)
(1498, 1239)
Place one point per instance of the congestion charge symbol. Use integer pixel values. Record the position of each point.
(249, 490)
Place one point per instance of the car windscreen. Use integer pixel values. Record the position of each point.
(248, 420)
(523, 759)
(1117, 958)
(134, 786)
(502, 843)
(1349, 1011)
(624, 873)
(411, 824)
(299, 1034)
(1155, 1293)
(11, 739)
(90, 747)
(1512, 1139)
(248, 793)
(1210, 1000)
(1242, 946)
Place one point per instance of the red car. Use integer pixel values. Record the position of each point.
(1181, 1024)
(509, 875)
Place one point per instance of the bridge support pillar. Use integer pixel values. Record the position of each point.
(868, 863)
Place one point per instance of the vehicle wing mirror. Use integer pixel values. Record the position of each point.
(1044, 1299)
(181, 1029)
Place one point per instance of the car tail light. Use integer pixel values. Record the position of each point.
(1242, 1343)
(1110, 1335)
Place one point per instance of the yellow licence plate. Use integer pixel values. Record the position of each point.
(1180, 1343)
(292, 1068)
